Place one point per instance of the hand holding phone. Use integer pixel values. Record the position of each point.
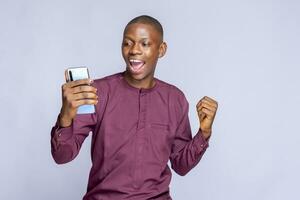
(78, 96)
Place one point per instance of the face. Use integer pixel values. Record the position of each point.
(141, 48)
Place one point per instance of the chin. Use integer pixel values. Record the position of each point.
(133, 75)
(137, 77)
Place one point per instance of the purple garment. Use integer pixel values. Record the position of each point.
(134, 134)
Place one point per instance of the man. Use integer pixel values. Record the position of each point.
(140, 123)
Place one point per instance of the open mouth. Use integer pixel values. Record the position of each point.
(136, 65)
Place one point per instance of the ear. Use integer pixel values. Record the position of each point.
(162, 49)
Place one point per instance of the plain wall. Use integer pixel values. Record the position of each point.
(245, 54)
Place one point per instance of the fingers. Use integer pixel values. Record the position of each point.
(72, 84)
(84, 88)
(76, 104)
(209, 101)
(67, 88)
(85, 95)
(80, 92)
(201, 115)
(207, 107)
(204, 112)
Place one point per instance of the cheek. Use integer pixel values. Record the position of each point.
(152, 55)
(153, 59)
(124, 52)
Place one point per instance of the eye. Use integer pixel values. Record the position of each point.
(145, 44)
(126, 43)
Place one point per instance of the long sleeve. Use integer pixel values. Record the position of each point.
(66, 142)
(186, 151)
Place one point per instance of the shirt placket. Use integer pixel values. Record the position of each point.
(140, 142)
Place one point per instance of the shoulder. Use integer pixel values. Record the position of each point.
(107, 81)
(176, 99)
(174, 92)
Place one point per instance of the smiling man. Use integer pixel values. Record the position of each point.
(140, 123)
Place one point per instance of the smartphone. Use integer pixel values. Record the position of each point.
(78, 73)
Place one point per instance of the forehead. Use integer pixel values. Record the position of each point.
(140, 30)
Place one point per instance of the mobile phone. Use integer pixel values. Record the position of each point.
(78, 73)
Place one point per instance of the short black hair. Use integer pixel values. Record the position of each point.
(146, 19)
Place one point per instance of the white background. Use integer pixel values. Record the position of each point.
(245, 54)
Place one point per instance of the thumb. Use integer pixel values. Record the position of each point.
(202, 116)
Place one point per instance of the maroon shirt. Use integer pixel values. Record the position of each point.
(134, 134)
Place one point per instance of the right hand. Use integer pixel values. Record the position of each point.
(75, 94)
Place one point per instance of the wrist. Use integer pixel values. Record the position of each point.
(206, 133)
(64, 121)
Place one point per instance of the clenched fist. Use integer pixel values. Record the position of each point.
(206, 108)
(75, 94)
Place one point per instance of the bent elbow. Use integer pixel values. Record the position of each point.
(182, 173)
(60, 161)
(62, 157)
(180, 170)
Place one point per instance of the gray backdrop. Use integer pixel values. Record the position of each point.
(245, 54)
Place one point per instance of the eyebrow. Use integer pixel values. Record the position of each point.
(144, 38)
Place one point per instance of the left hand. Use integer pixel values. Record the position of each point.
(206, 108)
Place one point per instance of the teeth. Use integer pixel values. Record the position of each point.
(135, 61)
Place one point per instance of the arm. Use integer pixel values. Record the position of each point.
(70, 129)
(187, 151)
(66, 141)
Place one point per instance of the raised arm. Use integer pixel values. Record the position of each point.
(70, 129)
(187, 151)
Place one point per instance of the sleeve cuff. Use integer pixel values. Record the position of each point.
(62, 133)
(200, 142)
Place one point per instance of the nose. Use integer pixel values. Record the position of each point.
(135, 49)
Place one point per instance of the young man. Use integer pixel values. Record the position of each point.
(140, 123)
